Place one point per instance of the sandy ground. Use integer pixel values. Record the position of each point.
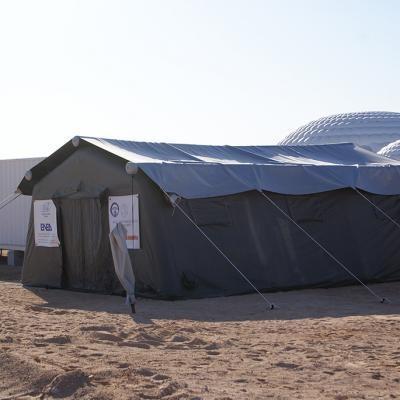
(320, 344)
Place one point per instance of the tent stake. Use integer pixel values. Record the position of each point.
(381, 299)
(174, 203)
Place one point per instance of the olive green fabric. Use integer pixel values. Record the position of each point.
(175, 261)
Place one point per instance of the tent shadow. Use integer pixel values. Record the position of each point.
(292, 305)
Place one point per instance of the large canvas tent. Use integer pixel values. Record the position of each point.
(222, 193)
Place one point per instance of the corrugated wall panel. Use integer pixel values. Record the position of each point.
(15, 216)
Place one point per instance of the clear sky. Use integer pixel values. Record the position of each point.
(191, 71)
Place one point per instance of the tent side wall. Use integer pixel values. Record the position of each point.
(176, 261)
(274, 254)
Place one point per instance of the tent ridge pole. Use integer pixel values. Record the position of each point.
(381, 299)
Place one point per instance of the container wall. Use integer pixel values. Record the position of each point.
(14, 217)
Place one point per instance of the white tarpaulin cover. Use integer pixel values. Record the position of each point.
(122, 262)
(45, 223)
(125, 210)
(198, 171)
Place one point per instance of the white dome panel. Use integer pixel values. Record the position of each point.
(392, 150)
(373, 129)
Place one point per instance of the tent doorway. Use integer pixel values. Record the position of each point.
(87, 261)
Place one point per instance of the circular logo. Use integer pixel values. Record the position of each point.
(114, 209)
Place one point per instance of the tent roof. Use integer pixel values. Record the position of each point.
(196, 171)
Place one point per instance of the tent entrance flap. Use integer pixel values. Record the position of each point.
(122, 262)
(85, 254)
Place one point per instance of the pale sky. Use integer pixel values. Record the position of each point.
(189, 71)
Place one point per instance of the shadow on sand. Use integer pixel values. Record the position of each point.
(300, 304)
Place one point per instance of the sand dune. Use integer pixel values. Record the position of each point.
(320, 344)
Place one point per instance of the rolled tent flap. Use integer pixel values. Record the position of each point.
(122, 262)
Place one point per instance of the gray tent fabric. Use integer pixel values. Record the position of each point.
(312, 184)
(122, 262)
(199, 171)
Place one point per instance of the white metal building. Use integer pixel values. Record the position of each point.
(14, 216)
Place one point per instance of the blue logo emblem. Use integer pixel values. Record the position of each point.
(114, 210)
(46, 228)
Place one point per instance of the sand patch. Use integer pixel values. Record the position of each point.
(66, 384)
(320, 344)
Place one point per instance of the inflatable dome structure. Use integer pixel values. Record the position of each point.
(392, 150)
(373, 130)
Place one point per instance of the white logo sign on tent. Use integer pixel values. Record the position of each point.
(45, 223)
(125, 209)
